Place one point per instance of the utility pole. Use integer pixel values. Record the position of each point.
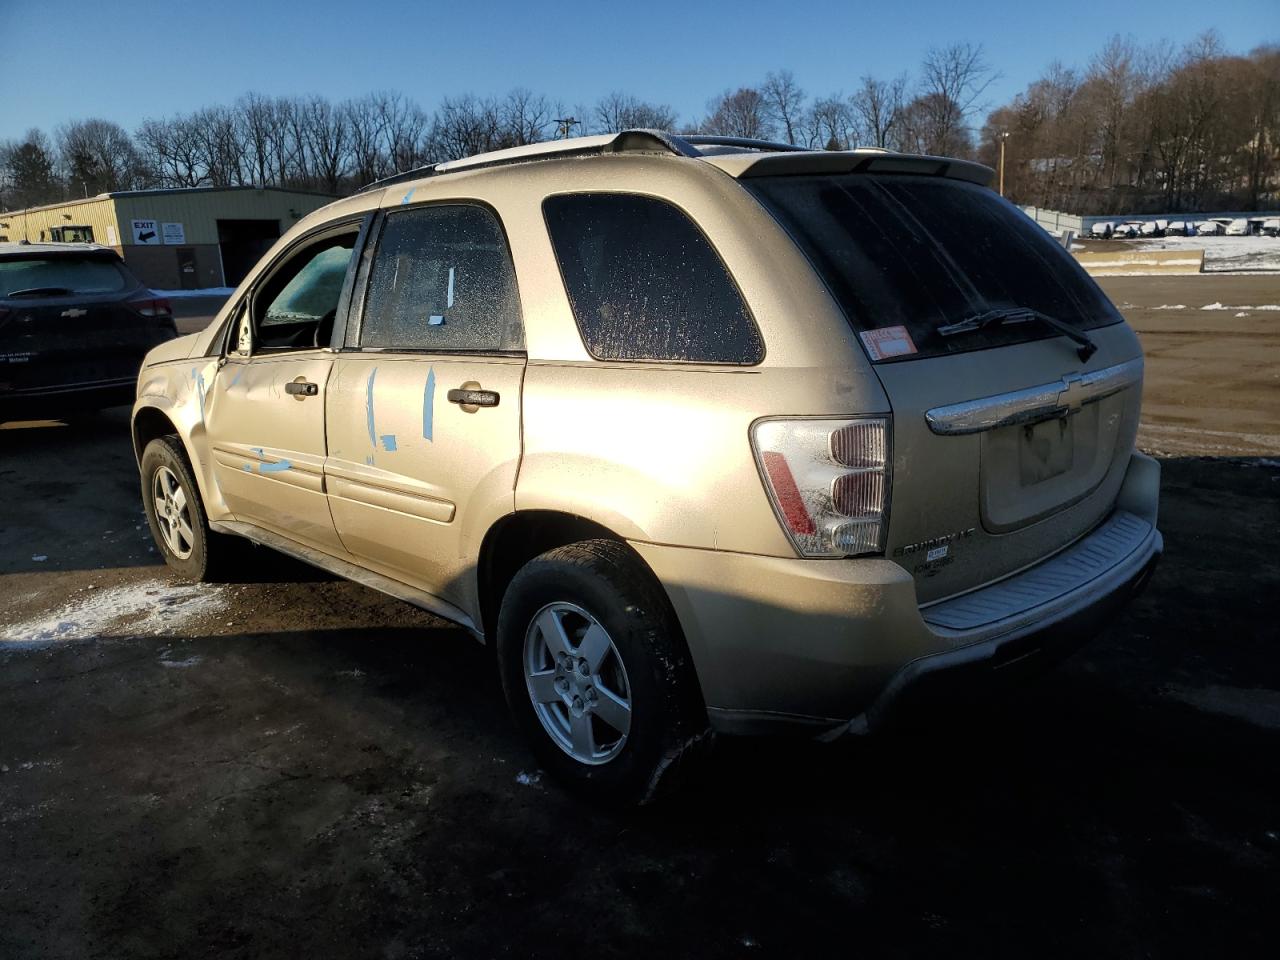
(564, 125)
(1003, 137)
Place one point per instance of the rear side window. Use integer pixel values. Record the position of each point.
(61, 275)
(923, 252)
(645, 283)
(442, 280)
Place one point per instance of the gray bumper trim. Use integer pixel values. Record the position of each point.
(1000, 607)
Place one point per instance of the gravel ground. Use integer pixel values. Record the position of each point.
(296, 766)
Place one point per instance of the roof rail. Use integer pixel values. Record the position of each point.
(746, 143)
(626, 141)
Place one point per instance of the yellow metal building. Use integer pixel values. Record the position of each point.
(172, 239)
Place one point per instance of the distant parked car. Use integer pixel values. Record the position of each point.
(1178, 228)
(1102, 230)
(74, 327)
(1237, 228)
(1128, 230)
(1210, 228)
(1271, 226)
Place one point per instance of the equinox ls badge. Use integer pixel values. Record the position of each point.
(74, 312)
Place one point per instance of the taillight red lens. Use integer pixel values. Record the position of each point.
(789, 500)
(152, 307)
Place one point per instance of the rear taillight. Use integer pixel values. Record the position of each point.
(152, 307)
(829, 482)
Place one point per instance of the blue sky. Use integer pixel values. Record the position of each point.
(125, 60)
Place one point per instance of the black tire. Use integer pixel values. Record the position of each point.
(211, 554)
(668, 720)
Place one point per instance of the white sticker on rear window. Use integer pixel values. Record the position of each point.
(887, 342)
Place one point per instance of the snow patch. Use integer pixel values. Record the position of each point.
(167, 661)
(1222, 254)
(1221, 306)
(148, 608)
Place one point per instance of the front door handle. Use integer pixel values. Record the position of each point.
(473, 397)
(301, 388)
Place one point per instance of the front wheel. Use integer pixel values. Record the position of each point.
(176, 515)
(596, 673)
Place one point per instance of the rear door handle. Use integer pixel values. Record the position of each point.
(301, 388)
(473, 398)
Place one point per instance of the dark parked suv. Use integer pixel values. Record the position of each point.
(74, 327)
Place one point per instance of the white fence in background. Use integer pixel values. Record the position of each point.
(1055, 221)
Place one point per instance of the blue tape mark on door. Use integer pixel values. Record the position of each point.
(389, 442)
(408, 196)
(368, 406)
(276, 467)
(428, 404)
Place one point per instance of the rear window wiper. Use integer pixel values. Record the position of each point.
(1085, 347)
(41, 292)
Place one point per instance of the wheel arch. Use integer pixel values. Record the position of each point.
(150, 423)
(516, 539)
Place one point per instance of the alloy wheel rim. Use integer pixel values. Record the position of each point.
(577, 683)
(173, 513)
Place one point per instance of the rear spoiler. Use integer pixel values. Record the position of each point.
(743, 165)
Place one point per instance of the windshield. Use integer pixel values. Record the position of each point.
(920, 253)
(60, 275)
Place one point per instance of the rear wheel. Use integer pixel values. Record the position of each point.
(176, 515)
(596, 673)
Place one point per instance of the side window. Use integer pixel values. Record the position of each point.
(295, 309)
(442, 280)
(645, 283)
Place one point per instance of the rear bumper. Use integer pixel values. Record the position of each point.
(842, 644)
(937, 679)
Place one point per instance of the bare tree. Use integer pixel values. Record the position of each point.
(404, 126)
(877, 104)
(365, 126)
(829, 124)
(622, 111)
(327, 137)
(740, 113)
(171, 152)
(524, 117)
(953, 80)
(97, 156)
(261, 136)
(784, 102)
(463, 126)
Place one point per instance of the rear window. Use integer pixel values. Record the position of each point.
(61, 275)
(919, 252)
(645, 284)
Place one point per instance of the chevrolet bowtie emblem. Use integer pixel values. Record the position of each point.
(1071, 396)
(74, 312)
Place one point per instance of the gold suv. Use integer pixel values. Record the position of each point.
(702, 435)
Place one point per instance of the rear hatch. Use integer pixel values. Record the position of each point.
(1010, 439)
(74, 319)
